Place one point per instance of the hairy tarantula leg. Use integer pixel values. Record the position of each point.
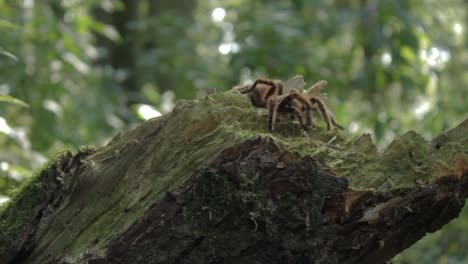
(332, 118)
(314, 122)
(248, 89)
(271, 92)
(306, 106)
(314, 90)
(339, 126)
(276, 87)
(299, 117)
(241, 88)
(275, 90)
(272, 109)
(323, 110)
(309, 121)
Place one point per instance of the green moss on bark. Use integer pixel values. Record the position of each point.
(21, 209)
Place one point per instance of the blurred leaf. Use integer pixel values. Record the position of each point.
(9, 55)
(12, 100)
(408, 54)
(6, 24)
(409, 38)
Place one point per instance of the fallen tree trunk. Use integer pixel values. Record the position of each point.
(208, 184)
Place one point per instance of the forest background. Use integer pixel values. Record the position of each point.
(77, 72)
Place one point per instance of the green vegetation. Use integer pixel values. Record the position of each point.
(87, 70)
(23, 207)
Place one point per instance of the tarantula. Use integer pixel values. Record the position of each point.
(267, 93)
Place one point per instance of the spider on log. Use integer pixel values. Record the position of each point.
(266, 93)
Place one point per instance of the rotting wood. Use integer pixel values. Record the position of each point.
(208, 184)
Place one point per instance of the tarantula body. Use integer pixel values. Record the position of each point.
(266, 93)
(299, 107)
(294, 104)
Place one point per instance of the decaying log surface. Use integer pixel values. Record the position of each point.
(208, 184)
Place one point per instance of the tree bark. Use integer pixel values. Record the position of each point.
(207, 184)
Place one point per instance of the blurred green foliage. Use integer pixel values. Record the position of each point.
(88, 69)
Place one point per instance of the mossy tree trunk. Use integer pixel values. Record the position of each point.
(208, 184)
